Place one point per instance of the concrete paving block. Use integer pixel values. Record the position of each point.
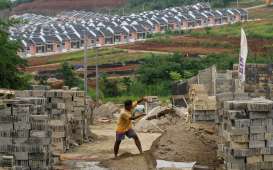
(267, 151)
(39, 134)
(239, 131)
(256, 144)
(257, 115)
(5, 141)
(268, 158)
(254, 159)
(265, 165)
(258, 122)
(6, 127)
(260, 106)
(236, 164)
(257, 136)
(21, 155)
(242, 123)
(257, 129)
(239, 138)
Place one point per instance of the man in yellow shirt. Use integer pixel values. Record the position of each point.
(124, 125)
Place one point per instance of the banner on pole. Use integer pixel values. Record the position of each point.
(243, 56)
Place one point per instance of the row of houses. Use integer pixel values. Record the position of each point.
(43, 35)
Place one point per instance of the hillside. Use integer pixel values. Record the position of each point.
(55, 6)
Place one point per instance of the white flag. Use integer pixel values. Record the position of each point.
(243, 56)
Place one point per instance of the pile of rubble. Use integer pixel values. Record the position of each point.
(25, 136)
(247, 130)
(107, 110)
(202, 106)
(157, 120)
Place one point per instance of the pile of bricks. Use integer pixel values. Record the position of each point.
(68, 116)
(25, 136)
(258, 79)
(247, 129)
(152, 102)
(202, 107)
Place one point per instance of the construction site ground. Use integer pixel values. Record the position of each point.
(182, 142)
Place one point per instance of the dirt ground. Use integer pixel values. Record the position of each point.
(186, 142)
(182, 142)
(101, 150)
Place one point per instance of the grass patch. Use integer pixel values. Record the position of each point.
(246, 3)
(261, 13)
(78, 55)
(255, 29)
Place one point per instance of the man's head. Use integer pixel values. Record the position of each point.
(128, 104)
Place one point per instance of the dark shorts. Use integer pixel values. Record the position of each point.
(121, 136)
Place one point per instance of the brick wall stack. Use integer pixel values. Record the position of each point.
(25, 136)
(258, 79)
(152, 102)
(68, 118)
(248, 132)
(202, 107)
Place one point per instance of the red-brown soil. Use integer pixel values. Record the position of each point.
(199, 45)
(54, 6)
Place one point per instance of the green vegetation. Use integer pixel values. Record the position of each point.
(255, 29)
(78, 55)
(246, 3)
(156, 75)
(10, 62)
(106, 55)
(145, 5)
(261, 13)
(68, 75)
(4, 4)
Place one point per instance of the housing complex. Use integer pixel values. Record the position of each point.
(44, 35)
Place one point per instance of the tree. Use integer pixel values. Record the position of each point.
(11, 65)
(157, 68)
(5, 4)
(70, 79)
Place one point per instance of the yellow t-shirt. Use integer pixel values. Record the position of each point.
(124, 122)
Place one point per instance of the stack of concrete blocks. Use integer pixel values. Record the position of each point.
(58, 119)
(207, 77)
(152, 102)
(226, 83)
(248, 132)
(202, 107)
(68, 117)
(25, 137)
(78, 116)
(258, 79)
